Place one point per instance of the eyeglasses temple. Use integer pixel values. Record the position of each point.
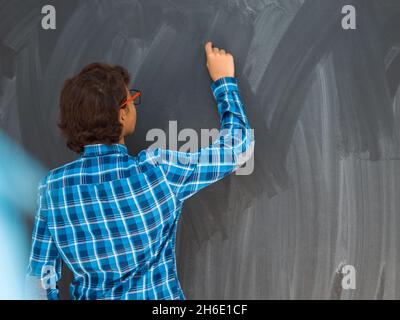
(130, 99)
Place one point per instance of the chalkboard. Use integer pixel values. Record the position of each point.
(324, 104)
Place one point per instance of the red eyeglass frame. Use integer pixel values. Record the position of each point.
(131, 98)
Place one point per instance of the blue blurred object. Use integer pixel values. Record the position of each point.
(19, 178)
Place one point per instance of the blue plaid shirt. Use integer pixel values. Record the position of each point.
(112, 217)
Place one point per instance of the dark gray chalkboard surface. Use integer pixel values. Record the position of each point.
(324, 103)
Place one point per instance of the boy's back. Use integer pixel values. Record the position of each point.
(113, 221)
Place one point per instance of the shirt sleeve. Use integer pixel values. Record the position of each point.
(188, 173)
(44, 262)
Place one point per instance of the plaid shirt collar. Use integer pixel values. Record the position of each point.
(93, 150)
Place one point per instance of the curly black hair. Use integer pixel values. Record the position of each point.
(89, 105)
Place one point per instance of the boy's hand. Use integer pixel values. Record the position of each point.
(219, 63)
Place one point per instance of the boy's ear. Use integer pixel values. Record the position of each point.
(122, 114)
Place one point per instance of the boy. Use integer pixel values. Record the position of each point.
(111, 217)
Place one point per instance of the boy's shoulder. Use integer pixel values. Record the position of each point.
(56, 173)
(145, 159)
(76, 167)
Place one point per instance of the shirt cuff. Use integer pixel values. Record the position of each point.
(223, 85)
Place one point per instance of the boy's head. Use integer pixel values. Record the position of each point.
(90, 109)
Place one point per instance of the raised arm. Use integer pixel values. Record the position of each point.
(187, 173)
